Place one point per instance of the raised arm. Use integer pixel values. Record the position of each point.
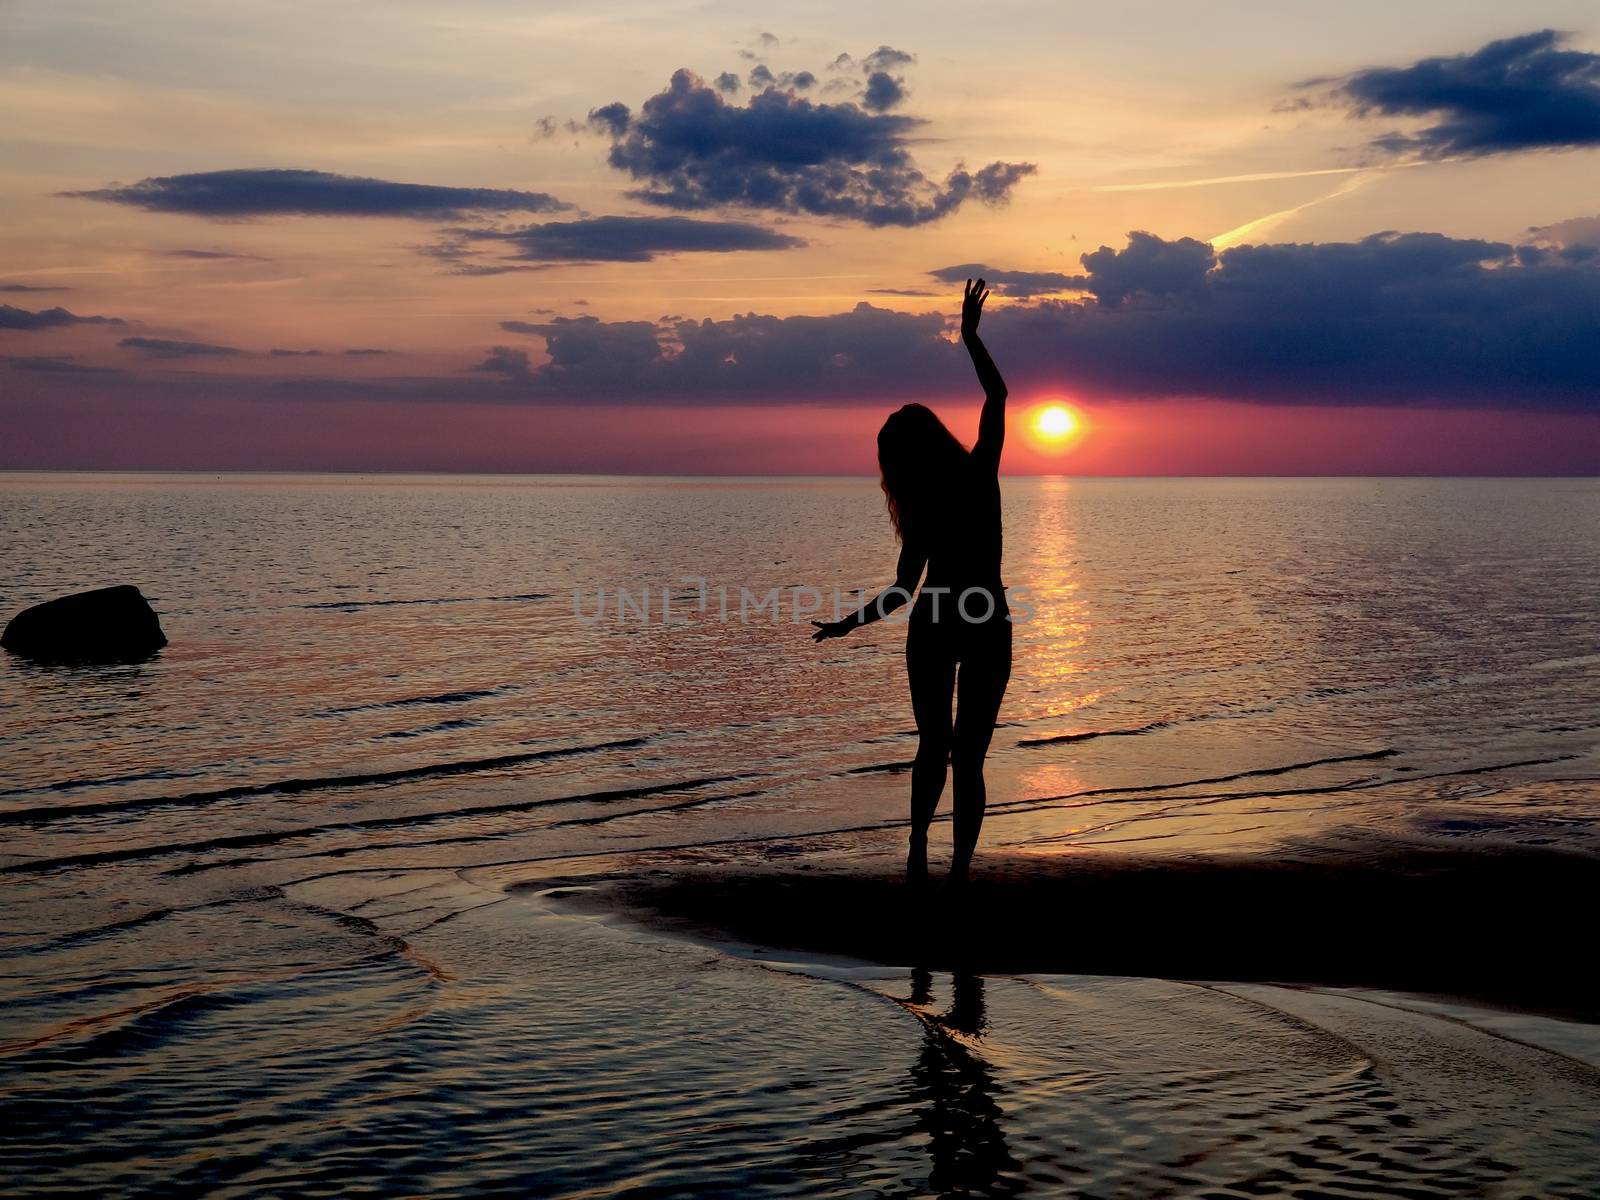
(992, 425)
(908, 571)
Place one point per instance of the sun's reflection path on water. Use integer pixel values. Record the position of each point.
(1050, 679)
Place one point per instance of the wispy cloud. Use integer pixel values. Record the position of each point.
(608, 239)
(1214, 180)
(214, 256)
(165, 348)
(48, 318)
(1019, 284)
(280, 192)
(1257, 228)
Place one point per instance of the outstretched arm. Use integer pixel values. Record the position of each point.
(992, 425)
(907, 572)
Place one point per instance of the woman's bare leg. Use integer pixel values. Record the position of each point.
(932, 673)
(985, 671)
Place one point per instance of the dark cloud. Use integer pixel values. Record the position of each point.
(993, 184)
(611, 118)
(257, 193)
(275, 352)
(1532, 255)
(727, 82)
(1149, 267)
(886, 58)
(48, 318)
(456, 249)
(883, 92)
(784, 153)
(506, 362)
(163, 348)
(51, 365)
(215, 256)
(364, 351)
(740, 358)
(1578, 231)
(762, 77)
(627, 239)
(903, 292)
(599, 353)
(29, 287)
(1019, 284)
(1520, 93)
(1393, 319)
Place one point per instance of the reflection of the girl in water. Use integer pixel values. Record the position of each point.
(956, 1092)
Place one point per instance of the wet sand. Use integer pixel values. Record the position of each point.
(1492, 927)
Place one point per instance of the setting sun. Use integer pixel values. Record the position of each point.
(1056, 421)
(1054, 426)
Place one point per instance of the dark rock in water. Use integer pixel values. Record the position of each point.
(114, 624)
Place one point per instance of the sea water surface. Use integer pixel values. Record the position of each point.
(267, 925)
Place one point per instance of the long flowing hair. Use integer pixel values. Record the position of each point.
(920, 460)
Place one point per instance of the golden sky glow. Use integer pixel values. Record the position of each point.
(1134, 116)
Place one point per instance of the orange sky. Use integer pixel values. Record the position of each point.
(1131, 116)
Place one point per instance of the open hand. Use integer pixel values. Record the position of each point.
(972, 307)
(829, 629)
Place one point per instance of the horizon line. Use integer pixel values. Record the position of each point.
(471, 473)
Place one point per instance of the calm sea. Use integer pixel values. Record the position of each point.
(257, 930)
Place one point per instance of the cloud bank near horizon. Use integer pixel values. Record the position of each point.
(1415, 319)
(1392, 319)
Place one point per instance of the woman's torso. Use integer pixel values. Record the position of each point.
(963, 542)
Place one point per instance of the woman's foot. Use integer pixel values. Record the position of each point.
(917, 862)
(958, 874)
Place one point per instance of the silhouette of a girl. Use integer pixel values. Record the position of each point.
(944, 501)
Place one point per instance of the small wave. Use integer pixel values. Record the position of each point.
(1140, 790)
(68, 785)
(79, 937)
(463, 697)
(1095, 733)
(658, 809)
(195, 868)
(273, 837)
(58, 812)
(441, 727)
(1135, 794)
(351, 605)
(134, 1027)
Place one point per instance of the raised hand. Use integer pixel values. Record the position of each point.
(972, 307)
